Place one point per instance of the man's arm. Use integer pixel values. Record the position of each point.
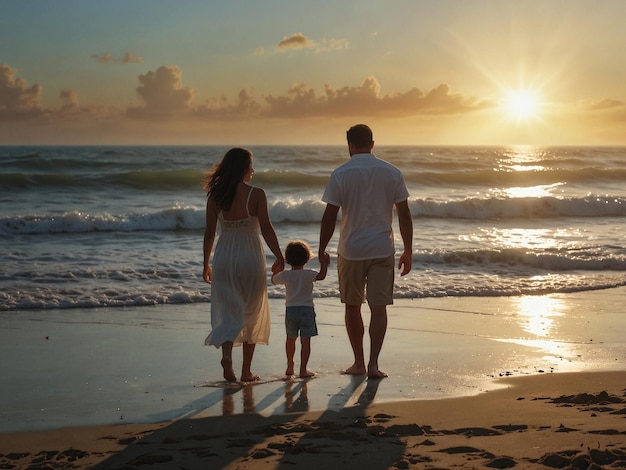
(327, 227)
(324, 262)
(405, 221)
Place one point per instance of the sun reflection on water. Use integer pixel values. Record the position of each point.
(524, 160)
(526, 238)
(543, 190)
(538, 314)
(539, 318)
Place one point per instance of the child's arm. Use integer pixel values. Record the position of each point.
(324, 262)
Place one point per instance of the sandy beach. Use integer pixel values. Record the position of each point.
(524, 382)
(532, 423)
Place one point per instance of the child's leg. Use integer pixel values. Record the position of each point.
(290, 349)
(305, 353)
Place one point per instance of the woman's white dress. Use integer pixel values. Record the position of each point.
(239, 304)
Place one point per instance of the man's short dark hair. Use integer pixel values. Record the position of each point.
(360, 135)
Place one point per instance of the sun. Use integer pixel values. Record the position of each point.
(523, 104)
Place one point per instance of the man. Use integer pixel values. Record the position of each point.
(366, 189)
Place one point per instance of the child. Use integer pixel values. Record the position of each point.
(299, 311)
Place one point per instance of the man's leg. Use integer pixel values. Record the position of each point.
(377, 330)
(379, 295)
(356, 331)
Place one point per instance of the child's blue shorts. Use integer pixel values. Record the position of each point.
(300, 319)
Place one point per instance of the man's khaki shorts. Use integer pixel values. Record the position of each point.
(374, 274)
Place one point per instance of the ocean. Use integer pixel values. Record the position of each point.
(116, 226)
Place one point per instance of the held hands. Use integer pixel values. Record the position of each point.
(278, 266)
(324, 258)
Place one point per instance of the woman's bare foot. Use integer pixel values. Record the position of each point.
(250, 378)
(355, 370)
(229, 373)
(306, 373)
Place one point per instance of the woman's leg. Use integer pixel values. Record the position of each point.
(227, 361)
(248, 354)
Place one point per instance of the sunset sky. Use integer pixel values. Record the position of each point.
(464, 72)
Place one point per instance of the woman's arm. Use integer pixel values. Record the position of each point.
(209, 238)
(267, 229)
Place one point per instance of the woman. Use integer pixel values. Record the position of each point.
(239, 303)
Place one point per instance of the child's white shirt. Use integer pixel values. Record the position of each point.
(298, 286)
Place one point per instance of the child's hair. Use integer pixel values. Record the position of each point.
(297, 253)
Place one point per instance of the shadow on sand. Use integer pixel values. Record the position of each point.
(289, 436)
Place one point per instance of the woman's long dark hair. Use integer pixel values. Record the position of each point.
(220, 182)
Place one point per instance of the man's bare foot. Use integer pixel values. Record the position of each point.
(227, 365)
(289, 371)
(306, 373)
(355, 370)
(250, 378)
(376, 374)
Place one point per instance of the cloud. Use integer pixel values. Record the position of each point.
(163, 95)
(69, 98)
(602, 105)
(71, 111)
(245, 106)
(130, 58)
(17, 100)
(298, 41)
(366, 100)
(103, 59)
(294, 41)
(609, 112)
(107, 58)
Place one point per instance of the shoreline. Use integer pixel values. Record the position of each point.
(536, 421)
(148, 364)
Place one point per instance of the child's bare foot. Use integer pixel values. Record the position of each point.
(306, 373)
(355, 370)
(227, 365)
(250, 378)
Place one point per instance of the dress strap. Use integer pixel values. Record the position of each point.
(248, 201)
